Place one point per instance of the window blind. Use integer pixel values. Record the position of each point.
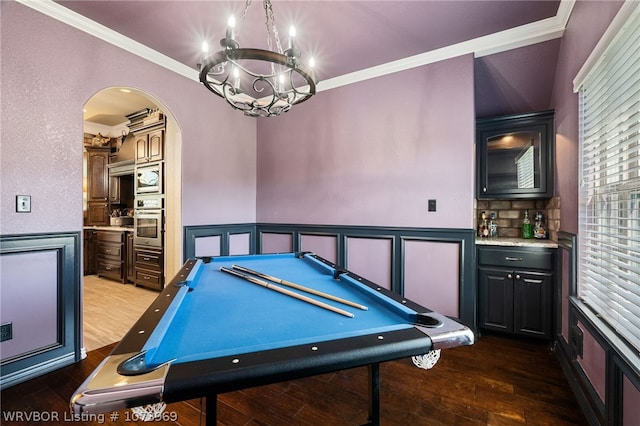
(609, 213)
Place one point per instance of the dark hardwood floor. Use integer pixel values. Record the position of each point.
(498, 381)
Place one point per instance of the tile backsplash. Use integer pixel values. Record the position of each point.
(510, 213)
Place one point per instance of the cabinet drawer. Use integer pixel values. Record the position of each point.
(111, 237)
(148, 277)
(110, 269)
(149, 259)
(514, 258)
(114, 250)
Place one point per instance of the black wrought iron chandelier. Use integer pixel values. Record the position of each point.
(261, 83)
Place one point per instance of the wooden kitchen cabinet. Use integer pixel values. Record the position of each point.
(110, 254)
(98, 174)
(515, 286)
(90, 265)
(150, 146)
(149, 267)
(130, 256)
(97, 186)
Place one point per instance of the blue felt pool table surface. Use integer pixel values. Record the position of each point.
(218, 314)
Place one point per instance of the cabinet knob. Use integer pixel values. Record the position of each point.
(509, 276)
(484, 189)
(517, 277)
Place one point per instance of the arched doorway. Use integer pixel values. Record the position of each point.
(112, 117)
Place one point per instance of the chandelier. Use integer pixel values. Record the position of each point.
(261, 83)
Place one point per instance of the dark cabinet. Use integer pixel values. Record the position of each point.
(149, 146)
(515, 287)
(97, 186)
(515, 156)
(90, 264)
(110, 254)
(149, 267)
(97, 174)
(131, 264)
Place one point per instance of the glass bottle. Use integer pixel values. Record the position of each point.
(493, 226)
(527, 228)
(484, 227)
(539, 230)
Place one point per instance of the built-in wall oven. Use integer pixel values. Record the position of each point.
(148, 220)
(148, 228)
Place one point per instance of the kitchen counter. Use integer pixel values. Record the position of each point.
(109, 228)
(516, 242)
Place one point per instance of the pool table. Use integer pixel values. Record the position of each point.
(212, 331)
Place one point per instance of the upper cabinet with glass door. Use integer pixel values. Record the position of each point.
(515, 156)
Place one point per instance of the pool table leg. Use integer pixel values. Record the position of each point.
(374, 394)
(212, 409)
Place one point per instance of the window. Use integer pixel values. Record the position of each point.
(609, 221)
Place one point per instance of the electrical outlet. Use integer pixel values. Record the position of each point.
(6, 331)
(431, 205)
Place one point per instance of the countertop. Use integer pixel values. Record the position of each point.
(109, 228)
(516, 242)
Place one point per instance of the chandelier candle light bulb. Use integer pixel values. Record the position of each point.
(234, 73)
(231, 25)
(292, 37)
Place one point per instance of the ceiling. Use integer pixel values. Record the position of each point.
(346, 37)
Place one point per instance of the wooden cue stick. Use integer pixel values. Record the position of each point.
(290, 293)
(300, 287)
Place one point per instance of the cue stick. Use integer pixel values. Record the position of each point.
(290, 293)
(300, 287)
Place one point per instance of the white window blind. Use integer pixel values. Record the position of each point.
(525, 167)
(609, 220)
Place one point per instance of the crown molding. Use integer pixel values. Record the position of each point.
(525, 35)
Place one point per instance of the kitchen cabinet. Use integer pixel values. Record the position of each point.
(149, 146)
(110, 254)
(149, 265)
(97, 186)
(515, 286)
(90, 265)
(97, 174)
(515, 156)
(130, 255)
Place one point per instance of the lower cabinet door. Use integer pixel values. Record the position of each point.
(496, 299)
(533, 304)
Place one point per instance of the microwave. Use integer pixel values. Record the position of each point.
(148, 179)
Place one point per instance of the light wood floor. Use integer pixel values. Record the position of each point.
(110, 308)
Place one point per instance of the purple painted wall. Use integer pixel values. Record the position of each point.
(372, 153)
(588, 22)
(47, 76)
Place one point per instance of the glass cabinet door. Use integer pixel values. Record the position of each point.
(515, 156)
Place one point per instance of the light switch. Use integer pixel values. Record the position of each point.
(23, 203)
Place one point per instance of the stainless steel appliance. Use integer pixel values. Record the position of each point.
(150, 201)
(149, 179)
(148, 227)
